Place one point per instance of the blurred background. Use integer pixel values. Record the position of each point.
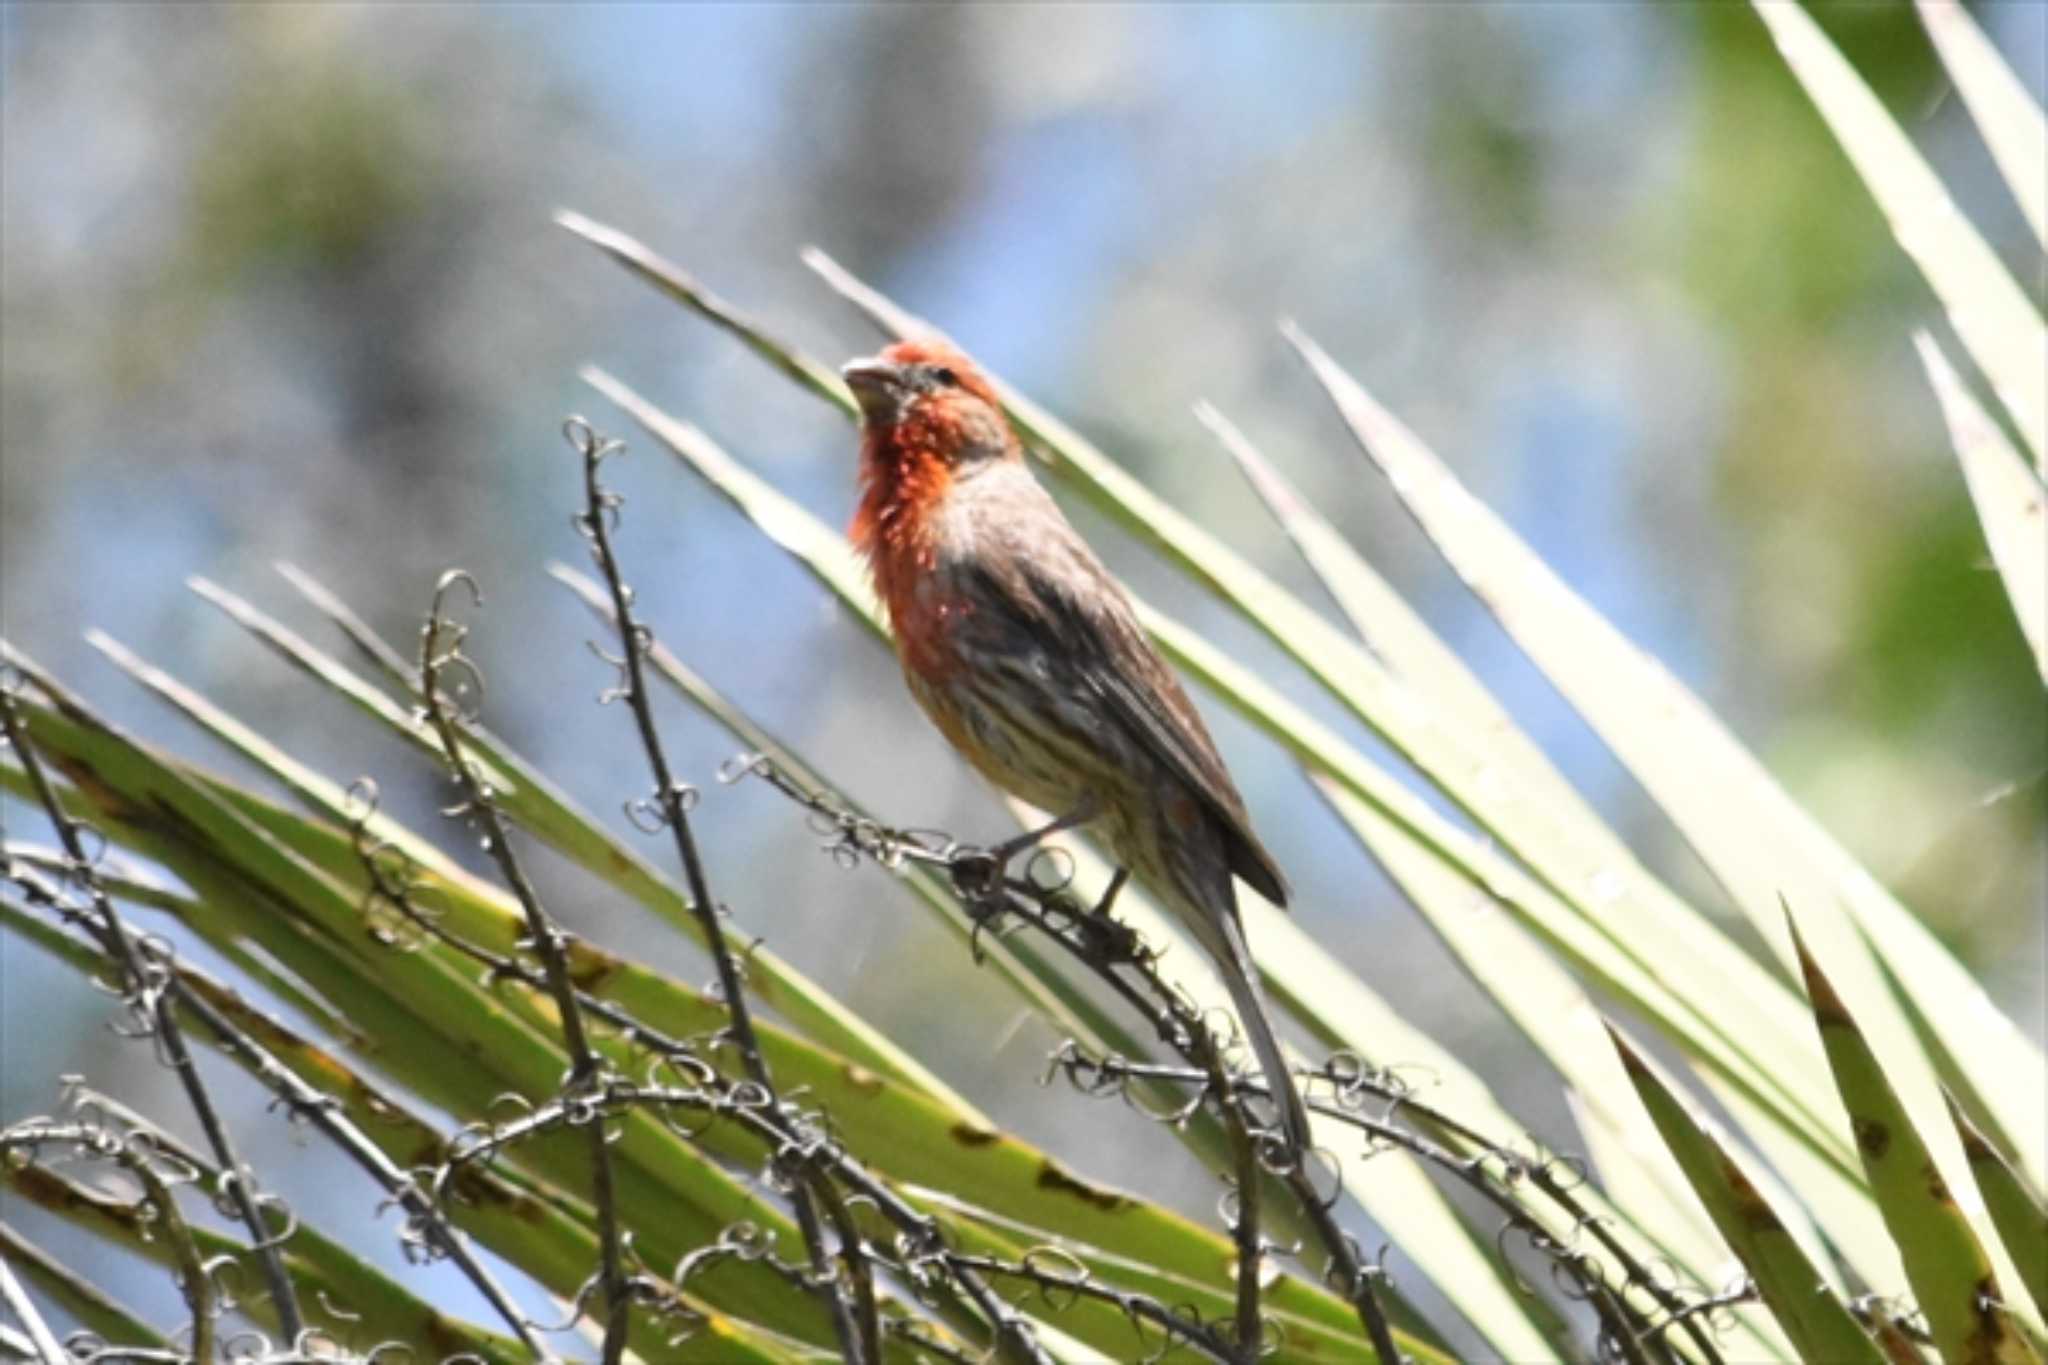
(280, 283)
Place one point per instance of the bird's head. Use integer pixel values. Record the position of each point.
(925, 401)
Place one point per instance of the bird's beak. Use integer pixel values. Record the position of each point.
(877, 385)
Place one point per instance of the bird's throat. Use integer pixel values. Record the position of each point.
(904, 480)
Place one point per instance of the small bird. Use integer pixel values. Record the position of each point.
(1031, 660)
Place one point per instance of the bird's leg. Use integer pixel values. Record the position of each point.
(1089, 808)
(979, 872)
(1112, 935)
(1116, 884)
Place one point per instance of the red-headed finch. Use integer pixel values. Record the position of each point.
(1030, 659)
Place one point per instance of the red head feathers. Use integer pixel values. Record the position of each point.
(926, 414)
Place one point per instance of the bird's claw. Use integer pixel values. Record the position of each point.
(977, 873)
(1114, 939)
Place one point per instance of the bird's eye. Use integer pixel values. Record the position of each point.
(945, 378)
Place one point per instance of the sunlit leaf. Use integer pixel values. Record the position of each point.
(1799, 1298)
(2017, 1214)
(1952, 1279)
(1755, 839)
(2008, 496)
(1989, 310)
(2007, 116)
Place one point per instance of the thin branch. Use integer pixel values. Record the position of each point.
(192, 987)
(854, 1319)
(1743, 1291)
(133, 1153)
(714, 1096)
(1111, 953)
(742, 1103)
(587, 1068)
(143, 984)
(853, 1260)
(1244, 1226)
(1177, 1327)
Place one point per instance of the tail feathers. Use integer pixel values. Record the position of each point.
(1241, 978)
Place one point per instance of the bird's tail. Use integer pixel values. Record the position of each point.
(1242, 980)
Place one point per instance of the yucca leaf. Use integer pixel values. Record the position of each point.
(399, 673)
(1389, 1185)
(1038, 983)
(1574, 854)
(2017, 1214)
(1572, 851)
(1798, 1297)
(672, 280)
(537, 807)
(88, 1305)
(1990, 312)
(1105, 1327)
(1579, 860)
(1828, 1209)
(1951, 1277)
(827, 555)
(907, 1135)
(1313, 1334)
(558, 1248)
(1550, 1010)
(312, 923)
(131, 884)
(546, 1234)
(1542, 1000)
(1016, 962)
(2008, 496)
(1755, 839)
(2007, 116)
(377, 1308)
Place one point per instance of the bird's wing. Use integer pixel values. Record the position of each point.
(1101, 645)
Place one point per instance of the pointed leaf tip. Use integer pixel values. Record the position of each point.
(1828, 1008)
(1631, 1061)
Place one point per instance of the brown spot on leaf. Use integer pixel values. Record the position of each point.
(590, 968)
(1989, 1337)
(90, 784)
(1937, 1188)
(1873, 1139)
(1898, 1348)
(1052, 1176)
(47, 1190)
(1975, 1147)
(974, 1135)
(1749, 1204)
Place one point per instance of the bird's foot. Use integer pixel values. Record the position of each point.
(978, 872)
(1107, 934)
(978, 877)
